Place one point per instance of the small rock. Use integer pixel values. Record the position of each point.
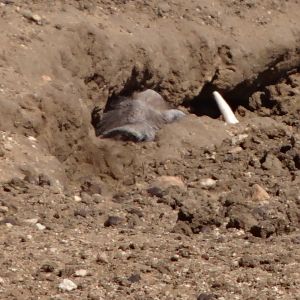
(208, 182)
(166, 181)
(134, 278)
(205, 296)
(77, 198)
(156, 191)
(113, 221)
(97, 198)
(44, 180)
(9, 220)
(67, 285)
(102, 258)
(31, 16)
(238, 139)
(81, 212)
(8, 1)
(40, 226)
(175, 257)
(272, 163)
(92, 185)
(3, 209)
(81, 273)
(32, 221)
(1, 281)
(235, 150)
(248, 261)
(259, 194)
(48, 267)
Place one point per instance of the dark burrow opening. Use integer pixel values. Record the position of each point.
(240, 95)
(203, 104)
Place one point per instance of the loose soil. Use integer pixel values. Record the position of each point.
(207, 210)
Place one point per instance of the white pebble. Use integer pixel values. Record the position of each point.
(77, 198)
(81, 273)
(40, 226)
(208, 182)
(67, 285)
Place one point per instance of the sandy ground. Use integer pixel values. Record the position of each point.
(206, 211)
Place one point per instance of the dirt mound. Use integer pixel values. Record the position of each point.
(187, 216)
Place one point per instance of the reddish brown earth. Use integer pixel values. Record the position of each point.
(207, 210)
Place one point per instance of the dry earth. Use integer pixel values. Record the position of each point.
(206, 211)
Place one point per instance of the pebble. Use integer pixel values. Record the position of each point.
(67, 285)
(3, 209)
(208, 182)
(81, 273)
(40, 226)
(31, 16)
(134, 278)
(102, 258)
(113, 221)
(235, 150)
(205, 296)
(238, 139)
(164, 182)
(32, 221)
(175, 257)
(97, 198)
(77, 198)
(259, 193)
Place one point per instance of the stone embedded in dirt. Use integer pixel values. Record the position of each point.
(102, 258)
(259, 194)
(208, 182)
(81, 212)
(31, 16)
(238, 139)
(167, 181)
(97, 198)
(77, 198)
(113, 221)
(44, 180)
(48, 267)
(8, 1)
(3, 209)
(248, 261)
(40, 226)
(81, 273)
(67, 285)
(92, 185)
(175, 257)
(31, 221)
(134, 278)
(86, 198)
(272, 163)
(156, 191)
(206, 296)
(161, 184)
(135, 211)
(9, 220)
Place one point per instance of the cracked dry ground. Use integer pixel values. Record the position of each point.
(206, 211)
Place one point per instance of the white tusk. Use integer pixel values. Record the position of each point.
(225, 109)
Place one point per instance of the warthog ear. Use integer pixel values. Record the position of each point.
(225, 109)
(172, 115)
